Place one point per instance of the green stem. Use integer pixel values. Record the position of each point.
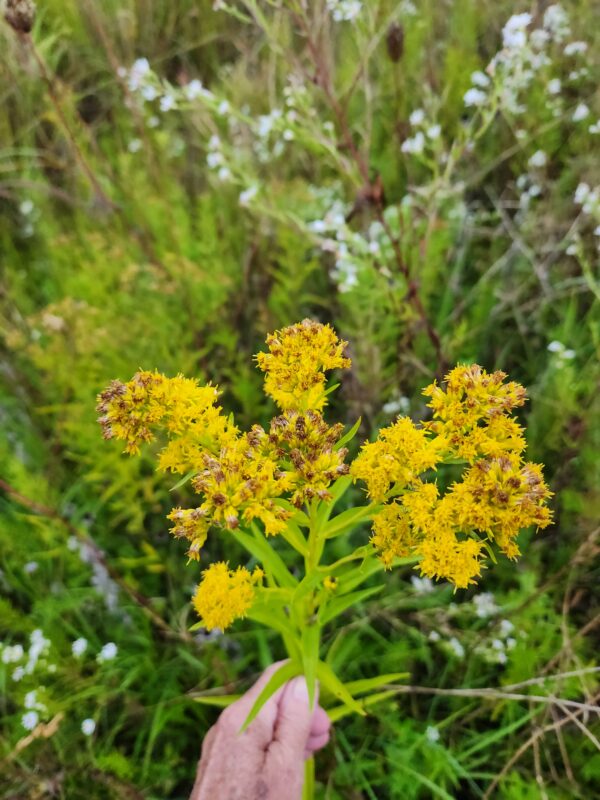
(308, 790)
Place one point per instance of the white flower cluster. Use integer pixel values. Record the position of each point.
(562, 353)
(353, 251)
(523, 56)
(35, 657)
(495, 651)
(344, 10)
(427, 134)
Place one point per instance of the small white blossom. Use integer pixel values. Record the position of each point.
(224, 174)
(479, 78)
(88, 726)
(26, 207)
(485, 605)
(30, 720)
(575, 48)
(422, 585)
(149, 93)
(416, 145)
(434, 636)
(432, 734)
(12, 653)
(108, 652)
(79, 646)
(247, 195)
(556, 22)
(167, 102)
(30, 567)
(456, 647)
(554, 86)
(506, 627)
(582, 193)
(514, 34)
(434, 131)
(224, 108)
(135, 145)
(475, 97)
(580, 113)
(18, 673)
(193, 89)
(538, 159)
(417, 117)
(556, 347)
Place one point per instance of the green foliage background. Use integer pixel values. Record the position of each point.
(143, 259)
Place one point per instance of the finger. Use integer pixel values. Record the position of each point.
(262, 727)
(320, 722)
(317, 742)
(295, 716)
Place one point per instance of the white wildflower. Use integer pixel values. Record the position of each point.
(88, 726)
(580, 113)
(538, 159)
(479, 78)
(107, 653)
(422, 585)
(26, 207)
(30, 720)
(12, 653)
(575, 48)
(554, 86)
(475, 97)
(432, 734)
(30, 567)
(556, 22)
(417, 117)
(514, 34)
(415, 145)
(79, 646)
(434, 131)
(456, 647)
(18, 673)
(485, 605)
(506, 627)
(247, 195)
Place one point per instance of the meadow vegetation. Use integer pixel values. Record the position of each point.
(178, 179)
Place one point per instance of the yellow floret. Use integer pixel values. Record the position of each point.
(298, 357)
(225, 595)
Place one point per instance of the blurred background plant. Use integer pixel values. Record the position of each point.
(177, 179)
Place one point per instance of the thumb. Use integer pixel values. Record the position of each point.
(294, 717)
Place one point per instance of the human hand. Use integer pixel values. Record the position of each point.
(266, 761)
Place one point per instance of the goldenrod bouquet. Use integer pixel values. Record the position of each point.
(264, 486)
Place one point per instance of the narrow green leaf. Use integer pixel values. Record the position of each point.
(347, 520)
(339, 488)
(367, 684)
(285, 673)
(183, 480)
(339, 604)
(266, 555)
(217, 700)
(293, 536)
(330, 681)
(349, 435)
(339, 712)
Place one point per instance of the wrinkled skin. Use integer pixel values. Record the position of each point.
(266, 762)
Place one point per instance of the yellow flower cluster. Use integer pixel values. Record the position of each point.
(224, 595)
(298, 357)
(470, 413)
(309, 444)
(400, 454)
(499, 493)
(239, 476)
(179, 406)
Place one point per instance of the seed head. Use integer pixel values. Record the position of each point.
(20, 14)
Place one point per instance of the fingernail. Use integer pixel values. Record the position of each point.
(300, 689)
